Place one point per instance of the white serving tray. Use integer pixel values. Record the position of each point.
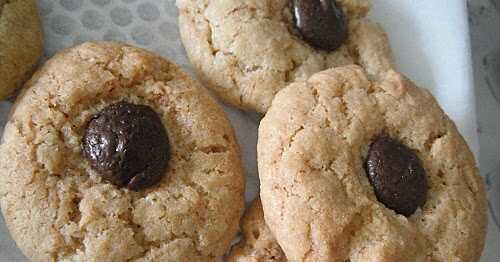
(430, 41)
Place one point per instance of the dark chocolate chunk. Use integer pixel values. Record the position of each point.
(321, 23)
(128, 145)
(397, 176)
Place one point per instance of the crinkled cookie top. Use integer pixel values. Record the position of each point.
(58, 208)
(319, 202)
(246, 51)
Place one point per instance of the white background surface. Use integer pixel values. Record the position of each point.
(430, 40)
(484, 17)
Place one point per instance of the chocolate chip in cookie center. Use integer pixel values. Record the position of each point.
(321, 23)
(397, 175)
(127, 144)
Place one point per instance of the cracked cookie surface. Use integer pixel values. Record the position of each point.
(58, 209)
(258, 243)
(246, 51)
(21, 43)
(316, 197)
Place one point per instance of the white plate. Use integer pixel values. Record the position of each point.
(430, 40)
(431, 45)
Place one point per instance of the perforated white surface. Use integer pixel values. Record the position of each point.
(149, 24)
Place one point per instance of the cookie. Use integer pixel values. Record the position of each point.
(356, 169)
(21, 43)
(246, 51)
(258, 244)
(112, 153)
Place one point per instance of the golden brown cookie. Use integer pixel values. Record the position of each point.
(246, 51)
(60, 205)
(21, 43)
(354, 169)
(258, 244)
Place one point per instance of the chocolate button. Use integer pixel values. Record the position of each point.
(397, 176)
(127, 144)
(320, 22)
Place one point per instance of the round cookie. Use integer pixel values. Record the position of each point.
(331, 148)
(246, 51)
(57, 203)
(21, 43)
(258, 244)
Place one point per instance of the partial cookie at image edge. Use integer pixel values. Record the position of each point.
(21, 43)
